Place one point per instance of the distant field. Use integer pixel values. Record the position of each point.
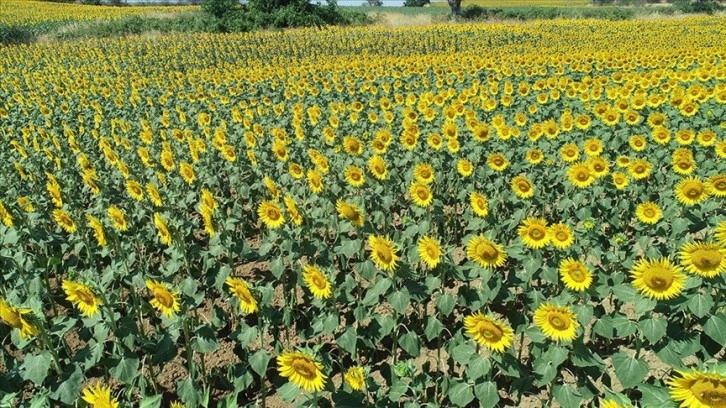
(29, 12)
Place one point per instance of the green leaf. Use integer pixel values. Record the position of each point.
(715, 328)
(277, 267)
(567, 395)
(188, 392)
(629, 370)
(678, 226)
(377, 290)
(653, 329)
(400, 300)
(409, 342)
(69, 390)
(603, 327)
(125, 369)
(582, 356)
(151, 402)
(623, 326)
(36, 367)
(288, 392)
(462, 353)
(433, 328)
(445, 303)
(205, 340)
(478, 367)
(487, 394)
(259, 362)
(700, 304)
(655, 396)
(349, 248)
(348, 340)
(461, 394)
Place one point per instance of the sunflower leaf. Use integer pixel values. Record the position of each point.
(700, 304)
(567, 395)
(629, 370)
(36, 367)
(715, 328)
(259, 362)
(461, 394)
(487, 393)
(653, 329)
(655, 396)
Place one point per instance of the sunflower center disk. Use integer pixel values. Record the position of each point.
(385, 255)
(658, 279)
(304, 368)
(319, 281)
(486, 251)
(559, 322)
(523, 187)
(490, 332)
(706, 260)
(537, 234)
(85, 297)
(163, 297)
(577, 275)
(273, 214)
(710, 392)
(694, 191)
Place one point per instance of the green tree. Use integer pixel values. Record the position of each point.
(455, 7)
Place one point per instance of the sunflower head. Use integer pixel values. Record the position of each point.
(658, 279)
(82, 297)
(383, 252)
(575, 275)
(239, 288)
(430, 251)
(556, 322)
(163, 299)
(490, 332)
(271, 214)
(534, 233)
(317, 282)
(691, 191)
(302, 369)
(707, 260)
(561, 235)
(16, 318)
(351, 212)
(99, 396)
(696, 388)
(420, 194)
(486, 253)
(355, 378)
(648, 213)
(479, 204)
(522, 187)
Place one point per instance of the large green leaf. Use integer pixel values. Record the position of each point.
(715, 328)
(653, 328)
(259, 362)
(487, 394)
(567, 395)
(125, 369)
(461, 394)
(36, 367)
(629, 370)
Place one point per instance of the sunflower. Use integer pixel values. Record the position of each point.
(271, 214)
(163, 300)
(556, 322)
(622, 161)
(315, 181)
(640, 169)
(658, 279)
(593, 147)
(135, 190)
(177, 404)
(64, 220)
(697, 389)
(492, 333)
(5, 216)
(292, 210)
(522, 187)
(435, 141)
(561, 235)
(487, 253)
(95, 224)
(464, 167)
(14, 318)
(429, 250)
(648, 213)
(354, 176)
(534, 156)
(302, 370)
(707, 260)
(424, 173)
(271, 187)
(162, 229)
(580, 175)
(383, 252)
(685, 137)
(353, 145)
(691, 191)
(569, 152)
(377, 166)
(187, 172)
(683, 165)
(420, 194)
(317, 282)
(706, 137)
(98, 396)
(637, 143)
(720, 149)
(117, 217)
(207, 199)
(620, 180)
(355, 378)
(534, 233)
(295, 170)
(351, 212)
(154, 195)
(479, 204)
(717, 185)
(575, 275)
(598, 166)
(241, 291)
(497, 162)
(82, 297)
(719, 233)
(279, 150)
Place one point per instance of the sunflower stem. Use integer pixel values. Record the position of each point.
(263, 384)
(53, 353)
(188, 344)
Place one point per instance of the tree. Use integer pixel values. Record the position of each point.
(455, 7)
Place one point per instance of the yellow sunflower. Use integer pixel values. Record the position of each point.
(479, 204)
(497, 162)
(613, 404)
(561, 235)
(575, 275)
(593, 147)
(487, 253)
(717, 185)
(637, 143)
(82, 297)
(620, 180)
(424, 173)
(163, 300)
(292, 210)
(697, 389)
(580, 175)
(707, 260)
(492, 333)
(354, 176)
(534, 233)
(383, 252)
(271, 214)
(420, 194)
(315, 181)
(648, 213)
(534, 156)
(598, 166)
(64, 220)
(464, 167)
(658, 279)
(302, 370)
(135, 190)
(154, 195)
(162, 229)
(351, 212)
(187, 172)
(95, 224)
(377, 167)
(556, 322)
(522, 187)
(569, 152)
(240, 289)
(118, 218)
(317, 282)
(99, 396)
(640, 169)
(14, 318)
(691, 191)
(719, 233)
(429, 250)
(355, 378)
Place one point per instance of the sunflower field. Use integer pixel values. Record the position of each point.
(451, 215)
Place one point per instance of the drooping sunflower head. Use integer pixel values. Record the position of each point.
(64, 220)
(302, 369)
(355, 378)
(351, 212)
(522, 187)
(575, 275)
(490, 332)
(162, 229)
(534, 233)
(648, 213)
(118, 218)
(16, 318)
(429, 250)
(658, 278)
(479, 204)
(420, 194)
(271, 214)
(163, 299)
(317, 282)
(707, 260)
(699, 389)
(691, 191)
(240, 289)
(82, 297)
(383, 252)
(486, 253)
(556, 322)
